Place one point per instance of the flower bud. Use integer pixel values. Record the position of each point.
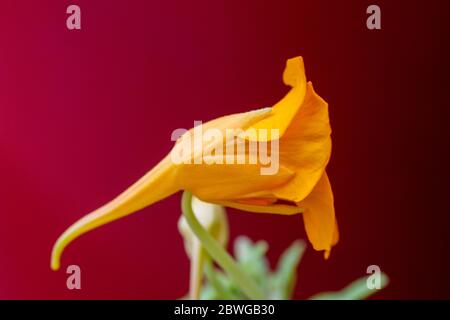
(212, 217)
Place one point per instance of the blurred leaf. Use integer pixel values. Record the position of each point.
(283, 280)
(219, 285)
(357, 290)
(252, 257)
(279, 284)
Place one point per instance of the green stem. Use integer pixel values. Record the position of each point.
(197, 261)
(215, 250)
(215, 283)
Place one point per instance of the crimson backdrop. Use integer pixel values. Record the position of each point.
(83, 114)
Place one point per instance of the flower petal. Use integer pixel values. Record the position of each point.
(156, 185)
(306, 147)
(216, 182)
(275, 208)
(334, 241)
(285, 110)
(318, 216)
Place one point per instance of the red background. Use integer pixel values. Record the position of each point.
(83, 114)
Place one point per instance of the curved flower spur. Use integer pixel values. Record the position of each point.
(298, 125)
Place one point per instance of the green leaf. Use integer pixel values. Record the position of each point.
(220, 287)
(357, 290)
(251, 258)
(279, 284)
(282, 281)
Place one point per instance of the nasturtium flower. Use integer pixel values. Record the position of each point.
(298, 125)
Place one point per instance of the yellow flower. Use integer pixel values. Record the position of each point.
(297, 128)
